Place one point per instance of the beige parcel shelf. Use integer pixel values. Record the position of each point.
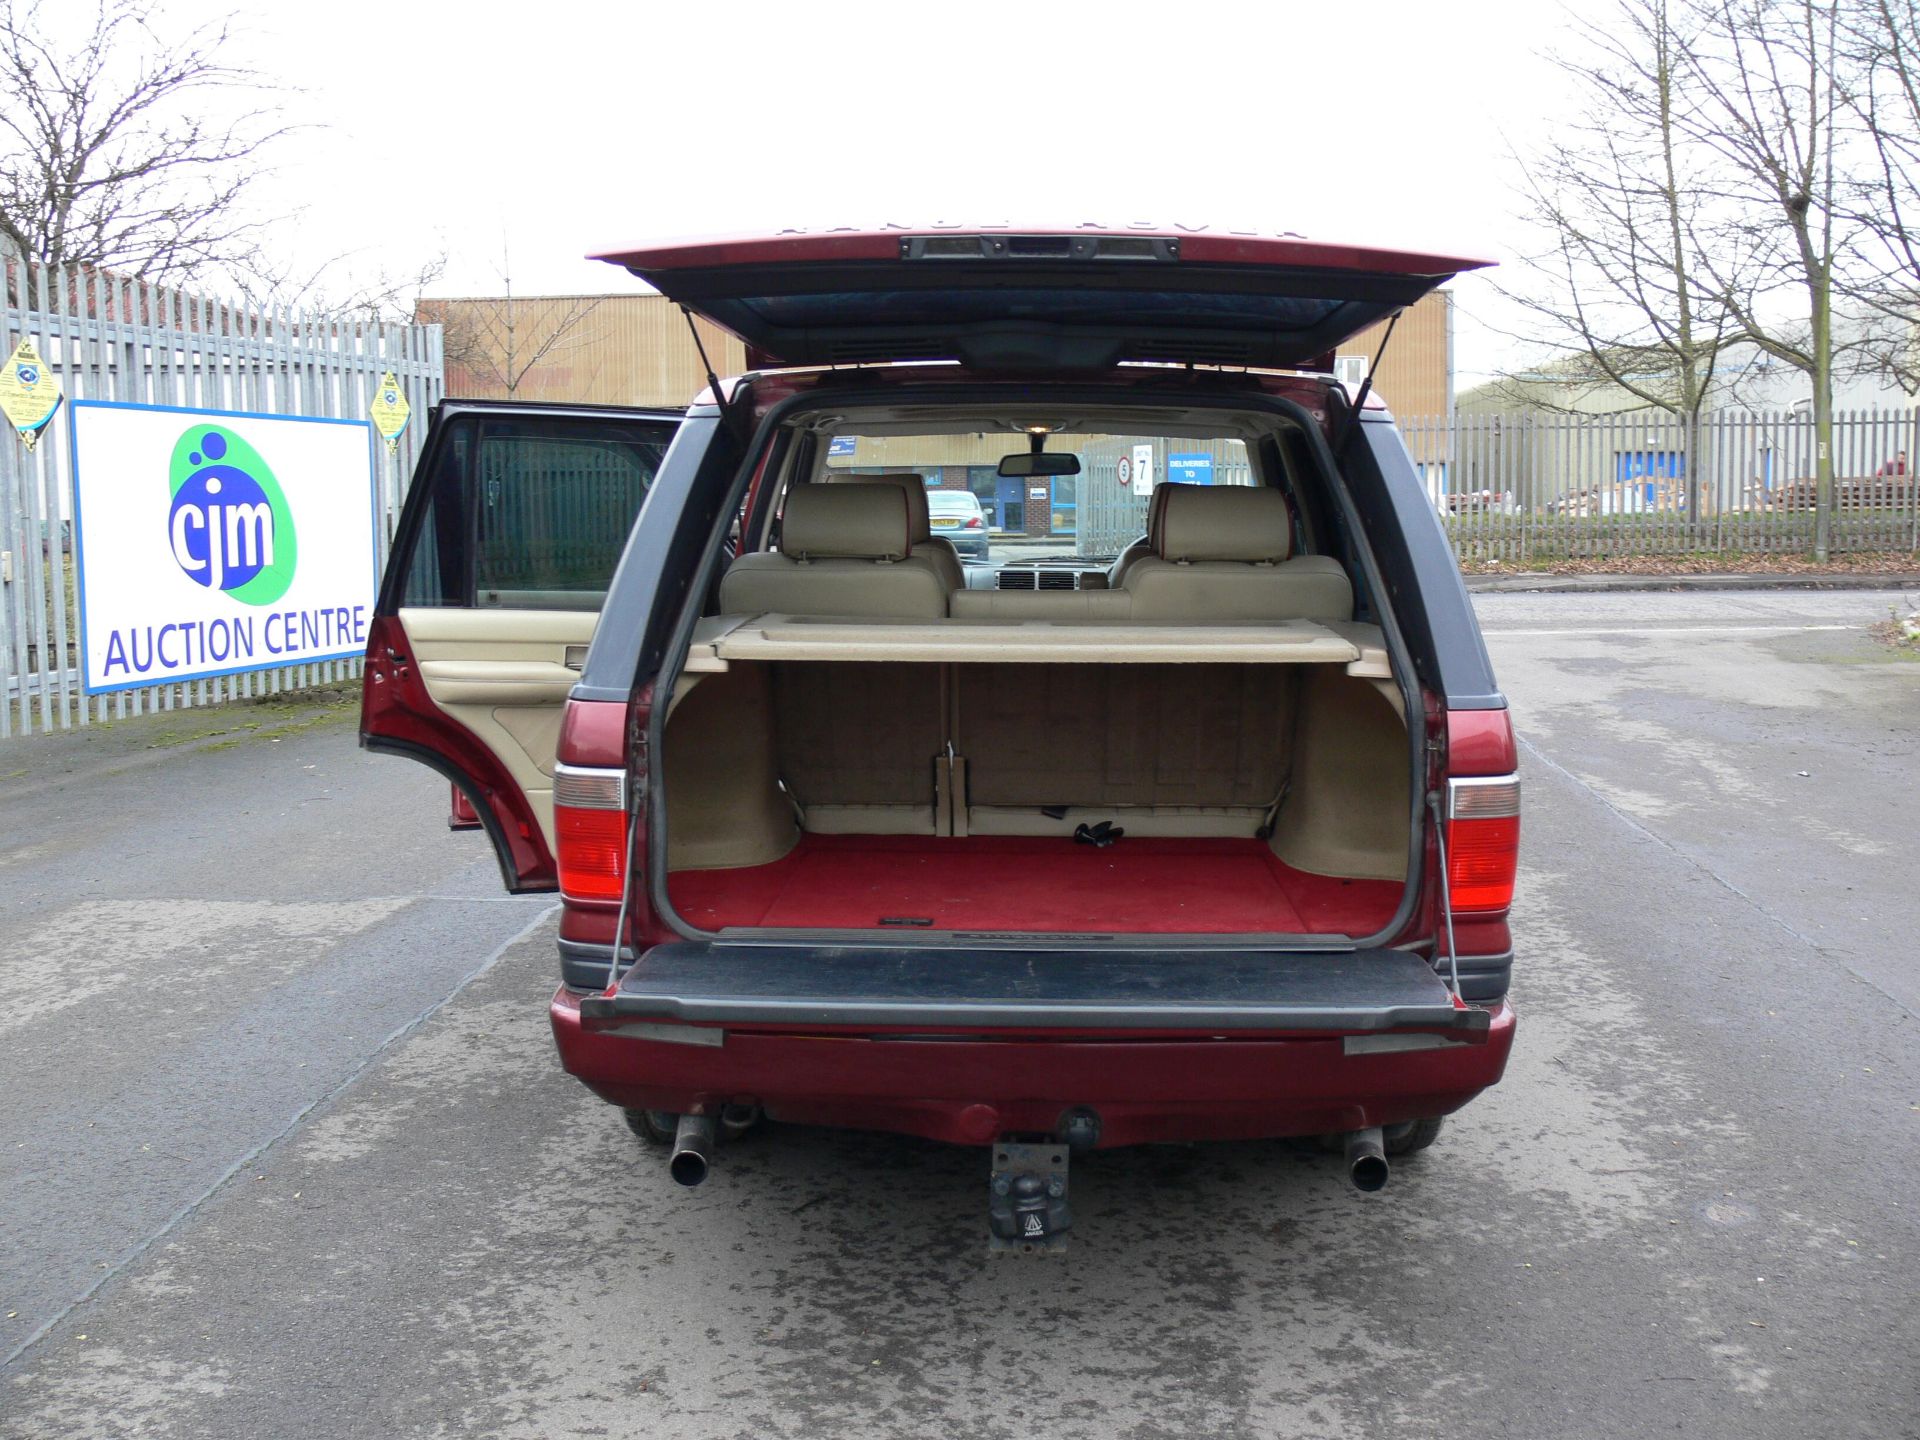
(969, 641)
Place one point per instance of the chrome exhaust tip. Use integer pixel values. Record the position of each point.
(1367, 1164)
(692, 1147)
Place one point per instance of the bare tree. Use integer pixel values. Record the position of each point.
(1769, 108)
(1881, 45)
(499, 341)
(1746, 168)
(1615, 284)
(121, 148)
(339, 289)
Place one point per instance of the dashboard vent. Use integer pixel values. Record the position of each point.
(1039, 579)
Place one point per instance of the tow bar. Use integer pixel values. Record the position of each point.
(1027, 1210)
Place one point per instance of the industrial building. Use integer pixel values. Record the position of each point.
(639, 350)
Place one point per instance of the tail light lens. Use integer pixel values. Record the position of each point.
(975, 523)
(590, 831)
(1483, 842)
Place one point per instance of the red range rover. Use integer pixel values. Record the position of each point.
(1197, 821)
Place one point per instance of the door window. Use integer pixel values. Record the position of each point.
(529, 513)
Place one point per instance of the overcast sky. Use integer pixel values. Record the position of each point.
(553, 129)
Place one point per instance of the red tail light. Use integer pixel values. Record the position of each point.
(590, 831)
(1483, 842)
(976, 523)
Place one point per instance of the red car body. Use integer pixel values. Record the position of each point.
(971, 1083)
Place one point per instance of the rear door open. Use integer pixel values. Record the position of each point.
(509, 537)
(1003, 299)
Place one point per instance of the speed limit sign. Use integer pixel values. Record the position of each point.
(1123, 470)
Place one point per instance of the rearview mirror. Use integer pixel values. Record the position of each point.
(1029, 464)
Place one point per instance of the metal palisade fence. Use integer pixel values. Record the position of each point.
(1112, 514)
(1537, 488)
(108, 338)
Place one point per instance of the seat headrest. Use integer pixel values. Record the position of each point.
(919, 516)
(1157, 510)
(1224, 522)
(845, 522)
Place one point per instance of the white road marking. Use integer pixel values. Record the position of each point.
(1676, 630)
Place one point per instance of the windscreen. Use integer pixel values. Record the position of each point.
(1091, 516)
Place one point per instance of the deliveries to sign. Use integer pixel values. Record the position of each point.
(244, 640)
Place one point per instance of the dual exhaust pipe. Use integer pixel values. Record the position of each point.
(693, 1141)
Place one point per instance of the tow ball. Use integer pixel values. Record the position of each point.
(1027, 1210)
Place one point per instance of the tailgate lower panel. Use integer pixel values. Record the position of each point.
(1362, 990)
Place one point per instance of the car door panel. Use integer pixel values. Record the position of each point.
(503, 675)
(500, 567)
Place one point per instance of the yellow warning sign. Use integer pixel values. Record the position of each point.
(28, 392)
(390, 411)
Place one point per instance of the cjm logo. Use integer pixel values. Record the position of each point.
(229, 527)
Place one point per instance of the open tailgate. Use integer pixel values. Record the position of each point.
(1078, 298)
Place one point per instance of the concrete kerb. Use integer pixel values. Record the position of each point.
(1628, 584)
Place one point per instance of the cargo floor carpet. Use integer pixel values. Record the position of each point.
(1139, 886)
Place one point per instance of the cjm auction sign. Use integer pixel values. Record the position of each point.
(212, 542)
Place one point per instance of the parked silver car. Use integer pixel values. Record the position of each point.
(958, 517)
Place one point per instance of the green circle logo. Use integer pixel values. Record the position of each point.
(230, 527)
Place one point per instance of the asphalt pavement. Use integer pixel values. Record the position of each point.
(285, 1150)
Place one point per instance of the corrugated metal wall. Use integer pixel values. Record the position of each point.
(1416, 373)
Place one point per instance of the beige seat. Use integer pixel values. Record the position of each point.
(1157, 749)
(844, 550)
(1142, 547)
(1222, 556)
(925, 543)
(855, 744)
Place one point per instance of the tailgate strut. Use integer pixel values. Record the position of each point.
(1366, 386)
(1446, 892)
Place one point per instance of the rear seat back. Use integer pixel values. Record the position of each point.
(855, 743)
(1157, 749)
(1222, 556)
(1068, 607)
(925, 544)
(844, 550)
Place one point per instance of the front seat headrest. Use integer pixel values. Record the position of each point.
(914, 487)
(1157, 509)
(1248, 523)
(845, 522)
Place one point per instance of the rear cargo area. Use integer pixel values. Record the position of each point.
(1201, 885)
(1255, 799)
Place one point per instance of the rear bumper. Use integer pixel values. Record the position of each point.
(1484, 979)
(970, 1087)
